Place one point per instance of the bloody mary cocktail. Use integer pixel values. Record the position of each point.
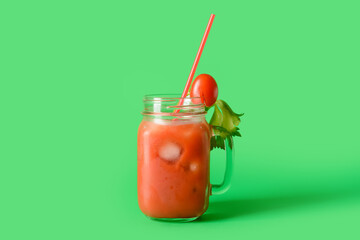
(174, 143)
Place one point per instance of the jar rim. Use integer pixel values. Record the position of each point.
(168, 105)
(171, 96)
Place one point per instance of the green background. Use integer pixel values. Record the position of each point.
(72, 77)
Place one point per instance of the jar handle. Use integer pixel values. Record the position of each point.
(217, 189)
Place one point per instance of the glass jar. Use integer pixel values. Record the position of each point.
(174, 159)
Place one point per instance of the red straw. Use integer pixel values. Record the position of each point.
(197, 58)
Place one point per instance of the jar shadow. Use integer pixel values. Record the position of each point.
(242, 207)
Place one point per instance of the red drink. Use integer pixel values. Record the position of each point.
(173, 168)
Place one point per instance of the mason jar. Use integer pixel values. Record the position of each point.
(174, 159)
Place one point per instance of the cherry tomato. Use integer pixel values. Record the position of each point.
(205, 87)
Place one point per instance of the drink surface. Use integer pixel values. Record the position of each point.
(173, 168)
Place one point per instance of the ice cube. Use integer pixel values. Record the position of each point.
(187, 101)
(170, 152)
(194, 166)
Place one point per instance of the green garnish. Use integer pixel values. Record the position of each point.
(225, 124)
